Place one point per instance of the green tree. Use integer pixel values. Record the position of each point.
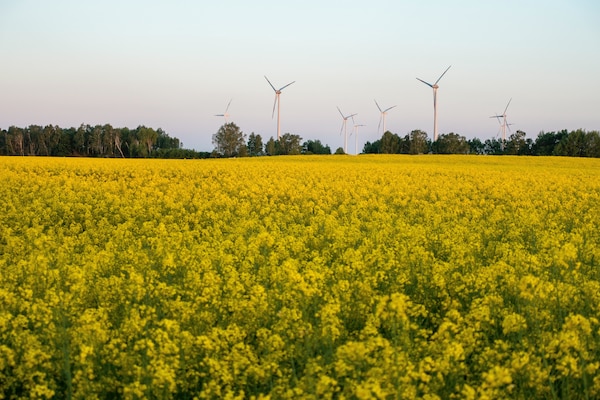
(4, 142)
(390, 143)
(164, 141)
(315, 147)
(546, 142)
(593, 141)
(80, 140)
(16, 141)
(340, 150)
(493, 146)
(146, 140)
(229, 140)
(96, 141)
(579, 143)
(271, 147)
(65, 146)
(573, 145)
(372, 148)
(516, 144)
(289, 144)
(33, 140)
(255, 145)
(418, 142)
(451, 143)
(476, 146)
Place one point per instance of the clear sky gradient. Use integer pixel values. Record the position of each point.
(174, 64)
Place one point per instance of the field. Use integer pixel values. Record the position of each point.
(300, 277)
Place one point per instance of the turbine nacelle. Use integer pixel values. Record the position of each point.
(225, 114)
(435, 87)
(504, 123)
(343, 128)
(277, 103)
(383, 113)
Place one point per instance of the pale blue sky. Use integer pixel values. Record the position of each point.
(174, 64)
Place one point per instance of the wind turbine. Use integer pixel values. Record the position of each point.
(278, 103)
(225, 115)
(435, 88)
(503, 124)
(356, 126)
(344, 129)
(382, 118)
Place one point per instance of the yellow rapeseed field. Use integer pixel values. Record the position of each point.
(435, 277)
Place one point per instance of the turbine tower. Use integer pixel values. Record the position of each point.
(382, 117)
(345, 118)
(504, 124)
(435, 88)
(225, 115)
(277, 103)
(356, 126)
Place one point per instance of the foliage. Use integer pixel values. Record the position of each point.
(315, 147)
(87, 140)
(106, 141)
(417, 142)
(372, 148)
(390, 143)
(300, 277)
(476, 146)
(229, 141)
(289, 144)
(450, 143)
(579, 144)
(516, 144)
(255, 145)
(546, 142)
(271, 147)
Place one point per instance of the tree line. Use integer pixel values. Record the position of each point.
(577, 143)
(230, 141)
(92, 141)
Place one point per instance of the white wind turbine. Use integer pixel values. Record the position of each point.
(356, 126)
(382, 117)
(435, 88)
(345, 118)
(504, 124)
(278, 103)
(225, 115)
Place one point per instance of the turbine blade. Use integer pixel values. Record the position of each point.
(342, 128)
(341, 112)
(428, 84)
(351, 115)
(283, 87)
(274, 104)
(388, 109)
(507, 105)
(442, 75)
(379, 126)
(270, 84)
(228, 104)
(378, 104)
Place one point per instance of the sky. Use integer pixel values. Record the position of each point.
(175, 64)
